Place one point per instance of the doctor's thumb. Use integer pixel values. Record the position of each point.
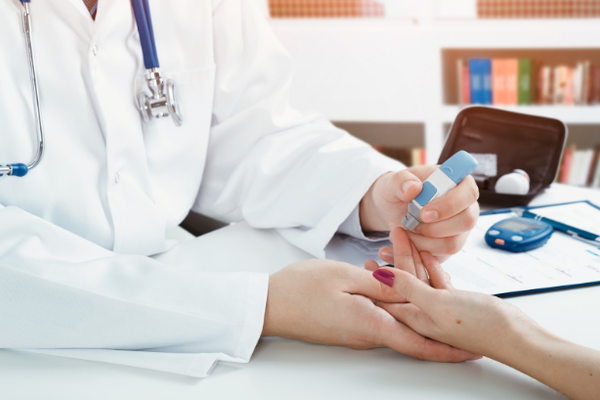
(406, 185)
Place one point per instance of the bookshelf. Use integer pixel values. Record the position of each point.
(400, 71)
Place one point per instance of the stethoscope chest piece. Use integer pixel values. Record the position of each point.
(162, 102)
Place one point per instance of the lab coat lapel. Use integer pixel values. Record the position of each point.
(74, 15)
(82, 9)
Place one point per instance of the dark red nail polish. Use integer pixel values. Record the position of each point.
(384, 276)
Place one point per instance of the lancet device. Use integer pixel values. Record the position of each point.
(445, 178)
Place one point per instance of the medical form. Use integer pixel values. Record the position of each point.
(563, 262)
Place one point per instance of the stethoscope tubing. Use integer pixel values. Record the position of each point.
(19, 169)
(141, 9)
(161, 103)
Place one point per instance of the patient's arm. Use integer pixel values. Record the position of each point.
(491, 327)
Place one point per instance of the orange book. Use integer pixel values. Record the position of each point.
(498, 81)
(569, 87)
(567, 160)
(512, 81)
(466, 85)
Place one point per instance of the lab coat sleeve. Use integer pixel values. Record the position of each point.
(351, 227)
(268, 163)
(63, 295)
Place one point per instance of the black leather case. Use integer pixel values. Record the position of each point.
(520, 141)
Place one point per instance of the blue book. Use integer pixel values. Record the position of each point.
(476, 81)
(486, 72)
(480, 74)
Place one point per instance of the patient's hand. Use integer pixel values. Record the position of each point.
(486, 325)
(328, 302)
(471, 321)
(405, 256)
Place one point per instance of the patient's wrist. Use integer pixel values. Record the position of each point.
(522, 339)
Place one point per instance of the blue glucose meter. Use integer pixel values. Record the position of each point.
(518, 234)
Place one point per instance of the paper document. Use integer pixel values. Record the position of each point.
(580, 215)
(563, 261)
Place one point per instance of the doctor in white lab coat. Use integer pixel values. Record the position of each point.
(77, 233)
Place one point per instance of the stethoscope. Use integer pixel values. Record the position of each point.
(161, 103)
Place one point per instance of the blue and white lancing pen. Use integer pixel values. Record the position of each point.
(445, 178)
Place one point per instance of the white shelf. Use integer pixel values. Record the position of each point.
(567, 114)
(390, 70)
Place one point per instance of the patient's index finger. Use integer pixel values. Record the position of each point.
(403, 257)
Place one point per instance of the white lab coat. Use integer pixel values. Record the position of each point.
(77, 233)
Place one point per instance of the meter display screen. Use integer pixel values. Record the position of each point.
(516, 225)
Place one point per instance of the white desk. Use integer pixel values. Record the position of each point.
(287, 369)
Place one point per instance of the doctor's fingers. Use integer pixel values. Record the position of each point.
(371, 265)
(455, 225)
(419, 266)
(402, 339)
(438, 277)
(452, 203)
(401, 186)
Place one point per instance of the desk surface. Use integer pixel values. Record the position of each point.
(289, 369)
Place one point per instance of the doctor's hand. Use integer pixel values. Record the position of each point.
(332, 303)
(447, 220)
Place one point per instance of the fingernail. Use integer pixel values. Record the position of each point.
(387, 253)
(417, 229)
(407, 185)
(429, 216)
(384, 276)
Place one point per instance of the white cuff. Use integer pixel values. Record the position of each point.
(351, 227)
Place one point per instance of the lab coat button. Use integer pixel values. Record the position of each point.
(95, 50)
(117, 177)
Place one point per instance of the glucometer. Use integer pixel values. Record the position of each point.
(445, 178)
(518, 234)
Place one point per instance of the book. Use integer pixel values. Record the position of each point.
(593, 167)
(576, 167)
(585, 83)
(499, 81)
(476, 81)
(459, 82)
(486, 68)
(416, 157)
(545, 85)
(559, 84)
(463, 87)
(569, 88)
(595, 84)
(577, 83)
(567, 161)
(586, 166)
(525, 82)
(512, 84)
(466, 87)
(596, 180)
